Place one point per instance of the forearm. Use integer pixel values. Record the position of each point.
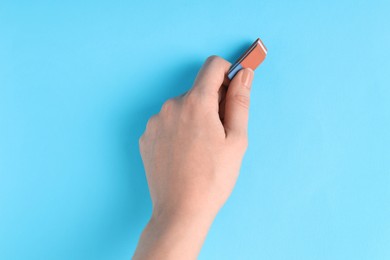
(178, 236)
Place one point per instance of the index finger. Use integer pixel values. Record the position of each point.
(212, 76)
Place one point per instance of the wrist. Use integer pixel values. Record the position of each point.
(174, 234)
(191, 213)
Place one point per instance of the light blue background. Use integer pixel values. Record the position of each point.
(79, 79)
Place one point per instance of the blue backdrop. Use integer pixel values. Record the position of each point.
(79, 79)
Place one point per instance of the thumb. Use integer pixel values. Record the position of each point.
(237, 104)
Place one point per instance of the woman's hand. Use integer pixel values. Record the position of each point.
(192, 152)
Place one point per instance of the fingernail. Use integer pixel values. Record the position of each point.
(246, 78)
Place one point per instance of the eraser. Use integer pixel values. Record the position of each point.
(251, 58)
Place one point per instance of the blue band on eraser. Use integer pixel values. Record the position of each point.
(234, 71)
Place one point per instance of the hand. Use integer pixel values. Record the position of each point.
(192, 152)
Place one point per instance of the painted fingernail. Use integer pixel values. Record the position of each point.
(246, 78)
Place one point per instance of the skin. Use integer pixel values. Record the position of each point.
(192, 152)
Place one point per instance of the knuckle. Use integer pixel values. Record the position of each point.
(242, 100)
(217, 60)
(141, 140)
(167, 106)
(142, 143)
(212, 58)
(151, 122)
